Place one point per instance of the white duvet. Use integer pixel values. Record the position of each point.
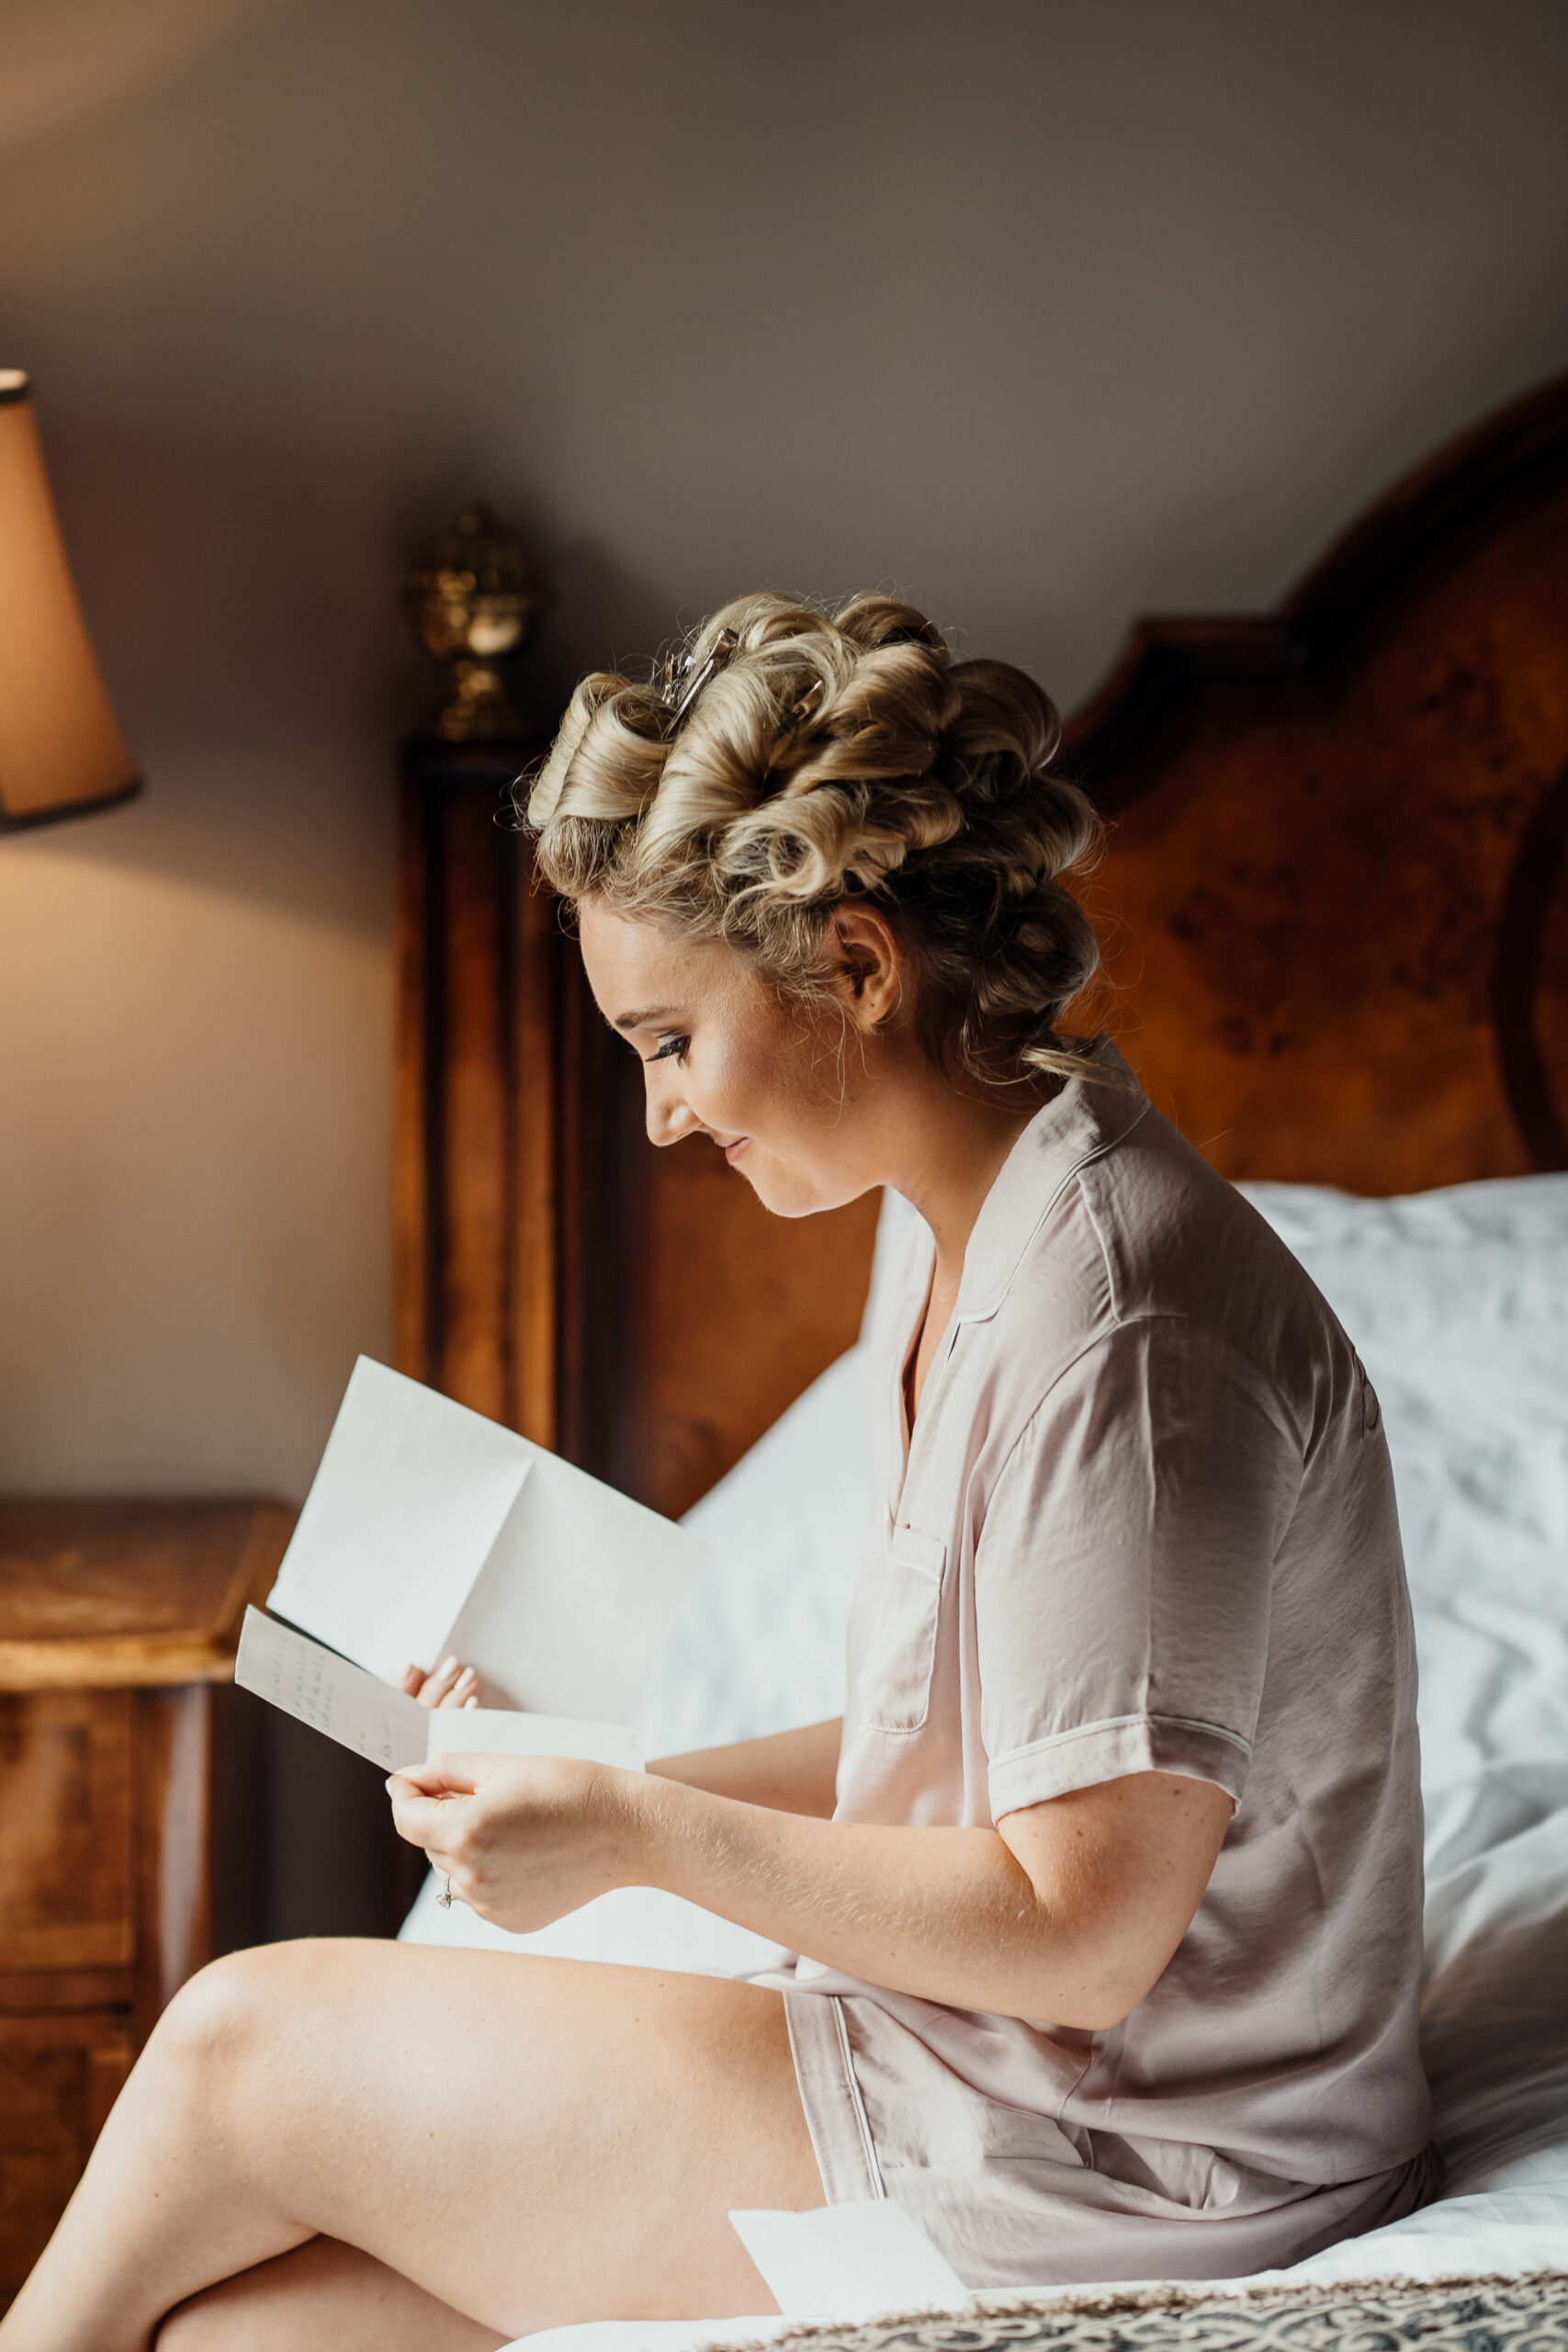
(1457, 1303)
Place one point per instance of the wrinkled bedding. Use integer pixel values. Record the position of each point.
(1457, 1303)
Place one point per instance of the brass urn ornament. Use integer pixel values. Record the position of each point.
(475, 596)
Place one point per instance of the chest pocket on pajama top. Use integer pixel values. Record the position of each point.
(896, 1681)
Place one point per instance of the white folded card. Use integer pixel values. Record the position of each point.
(846, 2262)
(430, 1532)
(359, 1711)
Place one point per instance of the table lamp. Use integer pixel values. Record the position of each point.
(61, 751)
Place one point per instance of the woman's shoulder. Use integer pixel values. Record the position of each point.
(1178, 1240)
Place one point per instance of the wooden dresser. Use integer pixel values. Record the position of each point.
(130, 1821)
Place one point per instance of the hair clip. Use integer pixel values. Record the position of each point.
(677, 674)
(803, 705)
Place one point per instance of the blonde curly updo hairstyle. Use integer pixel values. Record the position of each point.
(787, 761)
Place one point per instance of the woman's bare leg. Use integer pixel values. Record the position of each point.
(528, 2140)
(323, 2294)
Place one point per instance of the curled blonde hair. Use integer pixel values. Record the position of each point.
(798, 759)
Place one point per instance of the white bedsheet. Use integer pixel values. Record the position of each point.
(1457, 1303)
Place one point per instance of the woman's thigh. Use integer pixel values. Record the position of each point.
(530, 2141)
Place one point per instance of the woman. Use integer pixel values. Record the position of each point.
(1107, 1889)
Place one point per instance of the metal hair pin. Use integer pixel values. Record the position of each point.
(800, 711)
(680, 688)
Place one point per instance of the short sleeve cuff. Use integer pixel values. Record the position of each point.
(1105, 1751)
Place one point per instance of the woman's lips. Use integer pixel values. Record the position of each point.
(732, 1151)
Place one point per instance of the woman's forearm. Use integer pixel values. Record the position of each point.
(1070, 1912)
(947, 1914)
(789, 1772)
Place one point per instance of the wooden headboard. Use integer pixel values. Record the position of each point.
(1337, 920)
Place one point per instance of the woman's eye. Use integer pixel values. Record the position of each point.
(670, 1049)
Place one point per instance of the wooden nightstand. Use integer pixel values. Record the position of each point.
(128, 1806)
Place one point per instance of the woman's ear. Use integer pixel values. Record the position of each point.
(868, 963)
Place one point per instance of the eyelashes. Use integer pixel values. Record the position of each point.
(670, 1049)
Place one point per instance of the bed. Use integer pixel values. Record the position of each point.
(1338, 919)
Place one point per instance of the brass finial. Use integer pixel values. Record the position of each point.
(475, 595)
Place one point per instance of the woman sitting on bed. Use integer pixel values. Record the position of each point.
(1109, 1879)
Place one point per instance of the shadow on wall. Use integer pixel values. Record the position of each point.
(248, 614)
(64, 63)
(245, 614)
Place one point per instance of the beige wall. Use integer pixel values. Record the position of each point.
(1048, 312)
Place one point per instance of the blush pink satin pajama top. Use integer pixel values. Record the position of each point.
(1144, 1521)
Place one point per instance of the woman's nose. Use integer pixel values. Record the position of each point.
(670, 1116)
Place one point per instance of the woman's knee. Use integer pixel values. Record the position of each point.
(201, 2325)
(237, 2009)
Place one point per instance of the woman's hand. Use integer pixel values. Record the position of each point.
(450, 1685)
(523, 1840)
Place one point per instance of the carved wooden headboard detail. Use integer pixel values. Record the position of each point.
(1336, 914)
(1339, 835)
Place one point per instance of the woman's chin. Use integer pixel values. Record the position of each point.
(788, 1191)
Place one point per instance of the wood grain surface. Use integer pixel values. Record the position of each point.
(131, 1829)
(66, 1859)
(1334, 898)
(111, 1591)
(59, 2078)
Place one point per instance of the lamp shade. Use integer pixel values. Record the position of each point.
(60, 752)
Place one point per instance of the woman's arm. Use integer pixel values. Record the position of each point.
(795, 1772)
(791, 1771)
(1069, 1911)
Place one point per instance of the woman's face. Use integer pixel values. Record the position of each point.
(784, 1091)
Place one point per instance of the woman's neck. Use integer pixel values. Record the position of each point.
(947, 1151)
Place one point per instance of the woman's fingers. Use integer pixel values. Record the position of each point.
(451, 1685)
(431, 1803)
(446, 1776)
(436, 1686)
(457, 1882)
(440, 1825)
(421, 1819)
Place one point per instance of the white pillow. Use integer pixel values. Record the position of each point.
(1457, 1303)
